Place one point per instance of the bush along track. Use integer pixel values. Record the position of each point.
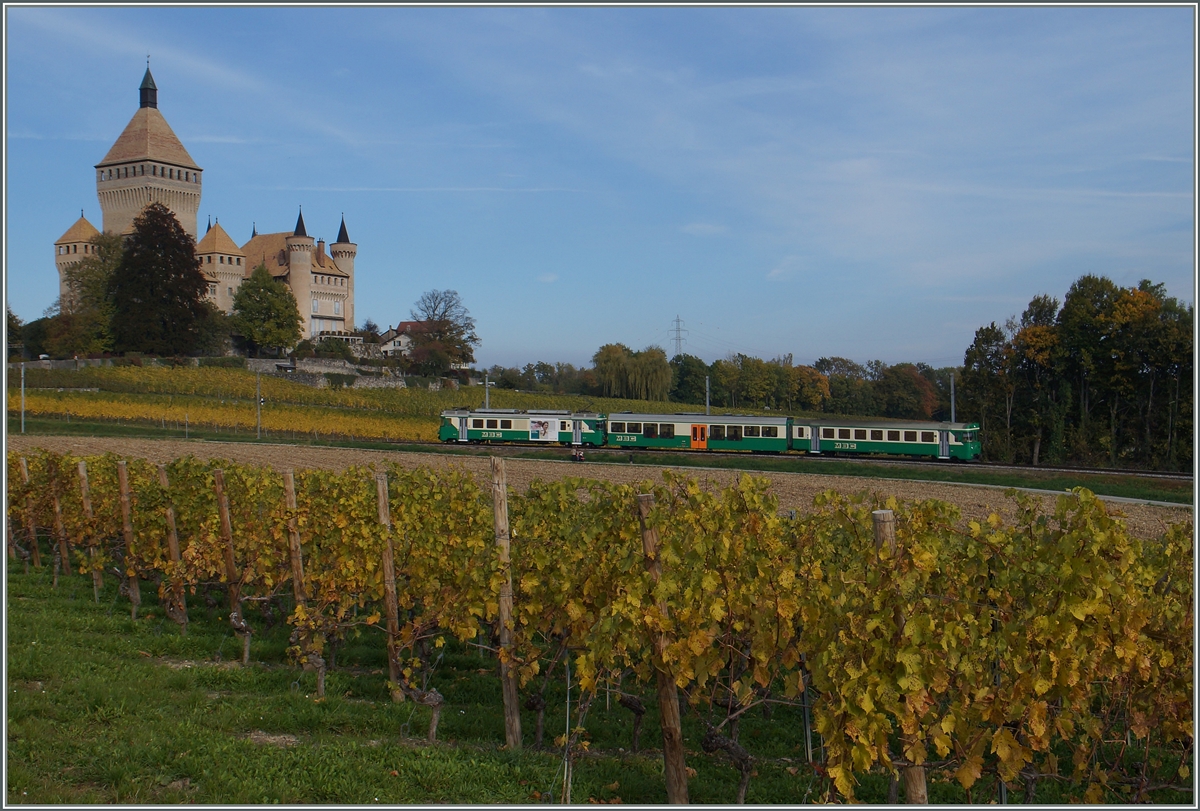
(1056, 651)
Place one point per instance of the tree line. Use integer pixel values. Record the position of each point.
(832, 385)
(1103, 379)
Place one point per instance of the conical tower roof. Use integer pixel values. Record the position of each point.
(149, 137)
(342, 235)
(218, 241)
(81, 231)
(300, 232)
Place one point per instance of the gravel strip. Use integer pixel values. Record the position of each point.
(795, 491)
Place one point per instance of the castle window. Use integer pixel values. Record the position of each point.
(239, 260)
(221, 260)
(337, 308)
(316, 306)
(229, 290)
(74, 249)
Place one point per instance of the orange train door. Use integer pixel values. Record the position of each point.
(699, 437)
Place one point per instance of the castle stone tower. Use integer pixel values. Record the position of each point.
(343, 252)
(72, 246)
(147, 164)
(299, 247)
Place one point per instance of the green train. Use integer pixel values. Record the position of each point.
(728, 432)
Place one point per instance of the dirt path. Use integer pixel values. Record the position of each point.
(794, 490)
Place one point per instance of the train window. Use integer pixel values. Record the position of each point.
(876, 435)
(827, 433)
(633, 427)
(751, 430)
(860, 433)
(843, 433)
(491, 424)
(505, 424)
(770, 430)
(799, 432)
(650, 431)
(563, 425)
(476, 423)
(928, 436)
(666, 430)
(617, 427)
(716, 432)
(735, 433)
(910, 436)
(893, 436)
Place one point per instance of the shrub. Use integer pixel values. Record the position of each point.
(234, 362)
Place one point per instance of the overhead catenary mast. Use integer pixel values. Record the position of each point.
(679, 339)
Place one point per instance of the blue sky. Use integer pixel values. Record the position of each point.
(863, 182)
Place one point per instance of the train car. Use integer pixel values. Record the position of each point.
(852, 436)
(511, 425)
(731, 432)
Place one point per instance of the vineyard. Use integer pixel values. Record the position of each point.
(1053, 652)
(236, 385)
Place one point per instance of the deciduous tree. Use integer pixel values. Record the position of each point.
(157, 290)
(265, 312)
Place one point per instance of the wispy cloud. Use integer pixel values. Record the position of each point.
(548, 278)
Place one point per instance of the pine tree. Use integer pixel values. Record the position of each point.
(265, 313)
(157, 291)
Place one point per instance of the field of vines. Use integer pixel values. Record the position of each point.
(178, 412)
(1058, 649)
(239, 385)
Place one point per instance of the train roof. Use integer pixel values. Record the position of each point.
(517, 412)
(886, 422)
(723, 419)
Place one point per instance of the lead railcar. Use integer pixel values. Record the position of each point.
(488, 425)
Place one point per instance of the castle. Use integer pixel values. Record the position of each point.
(148, 164)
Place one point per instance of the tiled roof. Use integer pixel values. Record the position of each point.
(81, 231)
(148, 136)
(217, 241)
(271, 250)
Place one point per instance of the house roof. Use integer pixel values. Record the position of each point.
(271, 250)
(81, 231)
(148, 136)
(217, 241)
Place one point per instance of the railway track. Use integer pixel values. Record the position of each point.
(513, 449)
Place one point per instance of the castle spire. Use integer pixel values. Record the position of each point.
(148, 92)
(342, 235)
(300, 232)
(253, 230)
(209, 224)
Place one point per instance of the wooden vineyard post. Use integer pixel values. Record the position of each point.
(390, 602)
(884, 523)
(30, 522)
(289, 494)
(508, 674)
(231, 573)
(63, 560)
(131, 573)
(177, 602)
(313, 659)
(85, 496)
(674, 765)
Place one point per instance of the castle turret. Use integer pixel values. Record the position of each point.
(74, 245)
(224, 265)
(299, 247)
(147, 164)
(343, 252)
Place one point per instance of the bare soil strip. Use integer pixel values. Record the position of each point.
(795, 491)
